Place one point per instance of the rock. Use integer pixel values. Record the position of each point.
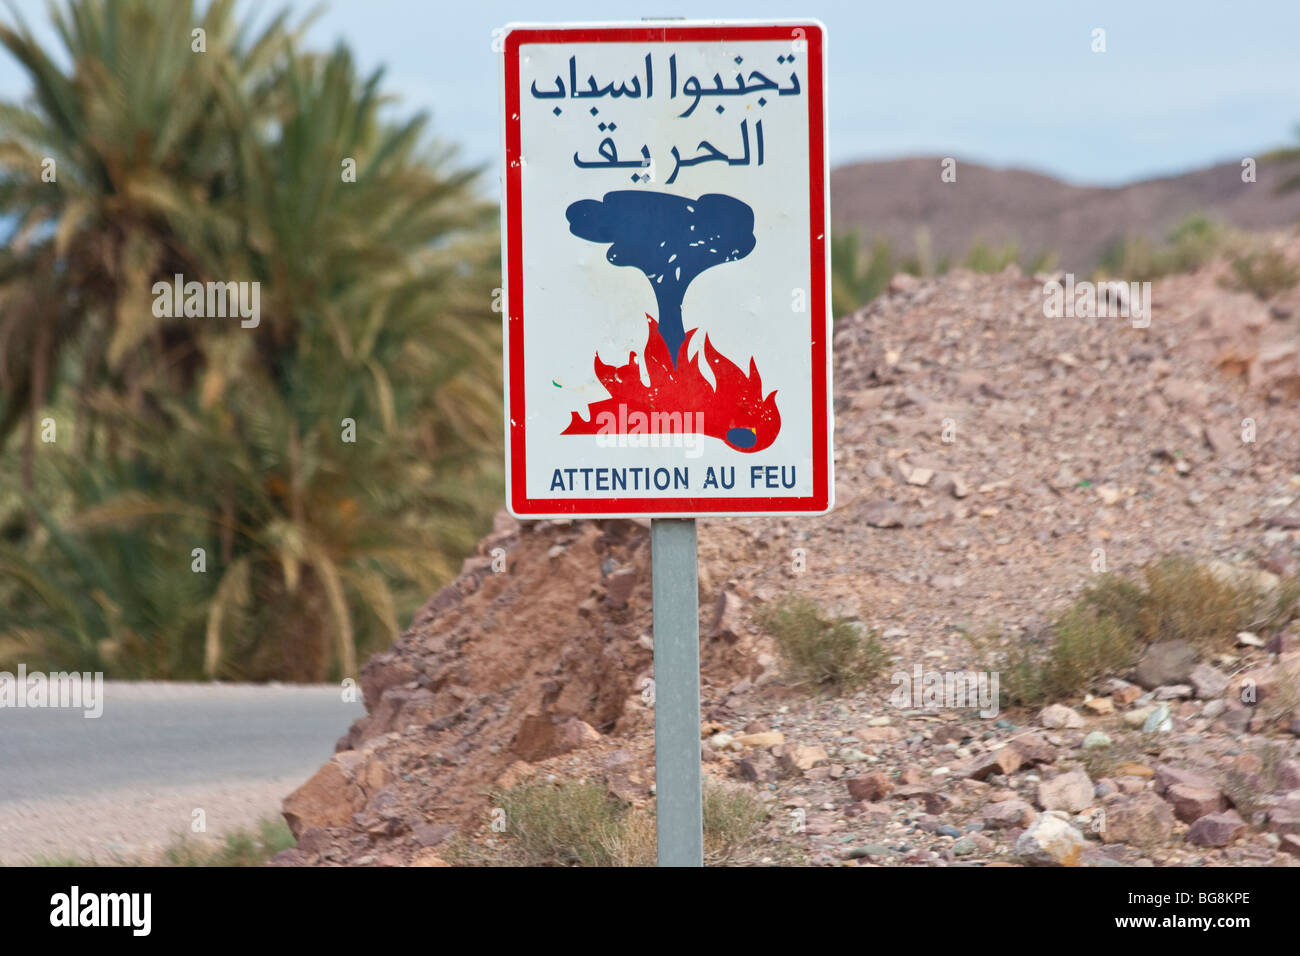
(964, 847)
(1288, 774)
(1234, 719)
(1096, 739)
(399, 706)
(1158, 721)
(1138, 716)
(876, 735)
(953, 484)
(902, 283)
(1004, 760)
(728, 619)
(1071, 792)
(327, 799)
(428, 858)
(1033, 749)
(1140, 820)
(1221, 440)
(381, 672)
(870, 787)
(1006, 814)
(932, 801)
(770, 738)
(882, 514)
(1247, 639)
(800, 758)
(1131, 768)
(1284, 642)
(1192, 803)
(1216, 829)
(627, 785)
(1101, 706)
(1213, 708)
(1290, 843)
(873, 851)
(1167, 776)
(296, 857)
(515, 774)
(1059, 717)
(619, 587)
(545, 735)
(919, 476)
(758, 767)
(1108, 494)
(1050, 841)
(1285, 818)
(1124, 693)
(1208, 682)
(1165, 662)
(315, 842)
(1173, 692)
(431, 834)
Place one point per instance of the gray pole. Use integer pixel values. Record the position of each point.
(678, 790)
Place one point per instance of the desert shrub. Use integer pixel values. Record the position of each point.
(575, 823)
(1184, 600)
(983, 257)
(1191, 244)
(840, 655)
(1263, 273)
(578, 823)
(240, 848)
(1106, 630)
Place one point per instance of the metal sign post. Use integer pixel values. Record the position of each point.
(677, 692)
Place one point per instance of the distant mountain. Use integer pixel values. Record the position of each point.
(896, 198)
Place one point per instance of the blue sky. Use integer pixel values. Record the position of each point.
(1183, 83)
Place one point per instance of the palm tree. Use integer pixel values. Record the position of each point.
(119, 169)
(234, 165)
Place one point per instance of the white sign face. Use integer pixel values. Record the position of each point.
(665, 231)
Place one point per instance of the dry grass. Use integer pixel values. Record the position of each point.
(578, 823)
(838, 655)
(1105, 632)
(1263, 273)
(242, 847)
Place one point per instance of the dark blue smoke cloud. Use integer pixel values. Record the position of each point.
(670, 238)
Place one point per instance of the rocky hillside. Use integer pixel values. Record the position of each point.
(894, 199)
(1072, 440)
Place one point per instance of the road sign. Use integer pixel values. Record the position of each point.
(665, 233)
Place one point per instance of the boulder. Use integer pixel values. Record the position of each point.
(1166, 662)
(1051, 841)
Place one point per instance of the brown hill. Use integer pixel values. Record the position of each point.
(1073, 438)
(895, 199)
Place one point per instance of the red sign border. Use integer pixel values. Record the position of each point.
(519, 504)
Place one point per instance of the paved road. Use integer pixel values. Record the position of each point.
(129, 779)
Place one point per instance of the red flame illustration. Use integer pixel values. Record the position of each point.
(735, 411)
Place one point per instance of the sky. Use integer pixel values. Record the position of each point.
(1182, 84)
